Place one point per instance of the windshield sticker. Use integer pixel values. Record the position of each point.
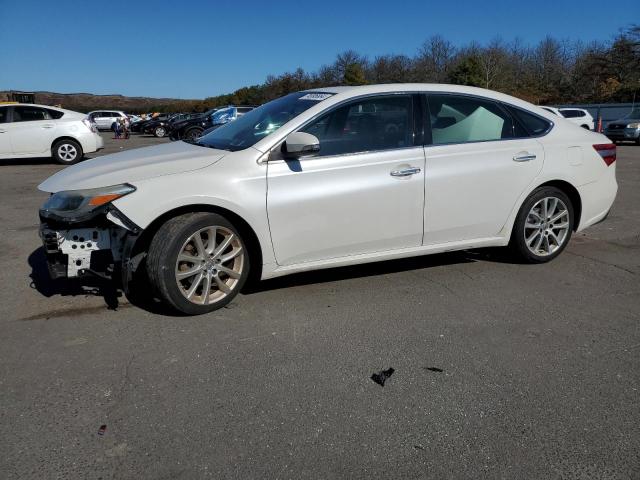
(316, 96)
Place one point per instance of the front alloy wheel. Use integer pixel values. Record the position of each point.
(160, 132)
(209, 265)
(197, 262)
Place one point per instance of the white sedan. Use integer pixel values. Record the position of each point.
(579, 116)
(28, 130)
(325, 178)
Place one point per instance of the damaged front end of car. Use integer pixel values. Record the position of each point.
(83, 233)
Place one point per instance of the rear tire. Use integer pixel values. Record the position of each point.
(159, 132)
(543, 226)
(67, 152)
(183, 263)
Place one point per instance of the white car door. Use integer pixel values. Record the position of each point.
(32, 131)
(363, 192)
(5, 140)
(478, 164)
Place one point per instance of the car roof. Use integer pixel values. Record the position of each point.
(349, 91)
(71, 113)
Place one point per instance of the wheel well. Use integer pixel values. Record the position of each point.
(248, 234)
(64, 138)
(573, 195)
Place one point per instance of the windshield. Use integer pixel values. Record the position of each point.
(253, 126)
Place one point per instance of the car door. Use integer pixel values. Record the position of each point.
(32, 130)
(5, 141)
(478, 163)
(363, 192)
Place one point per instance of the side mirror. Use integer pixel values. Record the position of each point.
(300, 144)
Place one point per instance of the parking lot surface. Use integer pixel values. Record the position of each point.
(500, 370)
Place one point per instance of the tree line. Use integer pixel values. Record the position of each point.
(550, 72)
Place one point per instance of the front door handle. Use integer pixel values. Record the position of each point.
(405, 172)
(527, 157)
(48, 125)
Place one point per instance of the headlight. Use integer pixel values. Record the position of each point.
(634, 125)
(78, 204)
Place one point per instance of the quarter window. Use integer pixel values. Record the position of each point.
(3, 114)
(533, 124)
(370, 124)
(55, 114)
(461, 119)
(29, 114)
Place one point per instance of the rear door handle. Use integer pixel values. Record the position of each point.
(405, 172)
(48, 125)
(524, 158)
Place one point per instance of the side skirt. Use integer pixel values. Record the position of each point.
(273, 270)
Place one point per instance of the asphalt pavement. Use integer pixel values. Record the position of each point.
(500, 370)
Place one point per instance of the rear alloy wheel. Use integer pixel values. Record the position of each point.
(543, 226)
(159, 132)
(67, 152)
(192, 134)
(198, 262)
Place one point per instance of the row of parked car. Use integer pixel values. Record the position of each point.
(178, 126)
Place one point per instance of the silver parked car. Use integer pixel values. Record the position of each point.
(104, 119)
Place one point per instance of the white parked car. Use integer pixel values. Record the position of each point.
(579, 116)
(325, 178)
(105, 119)
(28, 130)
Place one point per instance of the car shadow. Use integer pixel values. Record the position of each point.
(111, 292)
(497, 255)
(27, 161)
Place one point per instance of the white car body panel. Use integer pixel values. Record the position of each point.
(488, 183)
(365, 210)
(347, 209)
(35, 138)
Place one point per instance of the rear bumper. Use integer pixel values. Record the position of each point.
(91, 142)
(597, 198)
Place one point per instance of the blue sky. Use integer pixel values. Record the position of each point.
(195, 49)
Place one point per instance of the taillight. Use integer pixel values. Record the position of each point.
(90, 125)
(607, 151)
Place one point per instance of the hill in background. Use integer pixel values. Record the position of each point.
(86, 102)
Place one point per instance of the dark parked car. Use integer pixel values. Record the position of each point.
(139, 127)
(160, 126)
(189, 130)
(625, 129)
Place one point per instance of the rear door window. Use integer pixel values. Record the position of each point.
(463, 119)
(29, 114)
(3, 114)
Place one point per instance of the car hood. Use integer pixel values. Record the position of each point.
(625, 121)
(132, 165)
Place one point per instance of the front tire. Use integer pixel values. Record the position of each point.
(197, 262)
(543, 225)
(159, 132)
(67, 152)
